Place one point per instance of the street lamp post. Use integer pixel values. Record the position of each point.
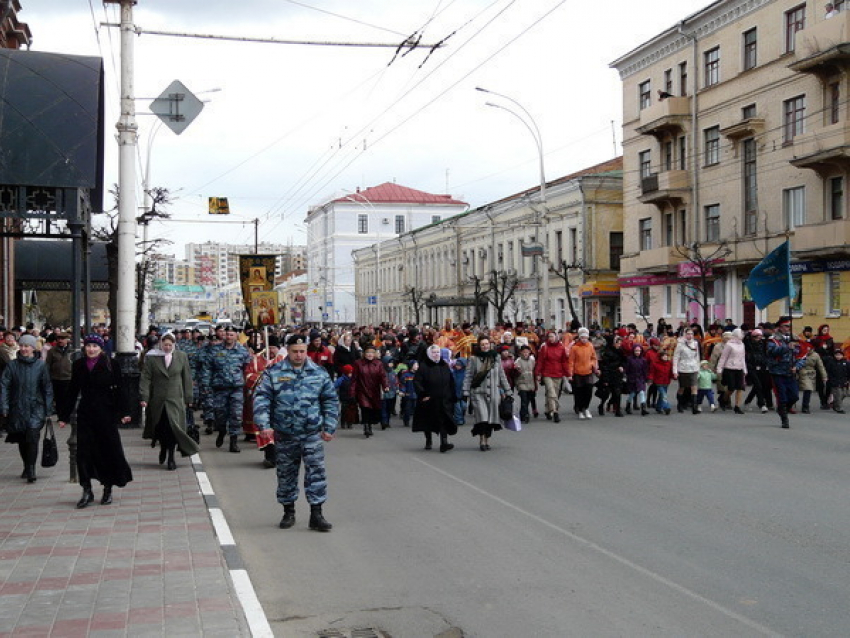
(542, 303)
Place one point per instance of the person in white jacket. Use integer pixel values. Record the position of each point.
(686, 360)
(732, 367)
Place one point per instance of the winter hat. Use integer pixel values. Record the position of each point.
(93, 338)
(28, 340)
(757, 333)
(583, 332)
(347, 369)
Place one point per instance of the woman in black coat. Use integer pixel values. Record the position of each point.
(612, 365)
(435, 393)
(100, 455)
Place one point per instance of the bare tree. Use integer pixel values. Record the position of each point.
(107, 232)
(639, 310)
(563, 272)
(696, 288)
(499, 292)
(417, 299)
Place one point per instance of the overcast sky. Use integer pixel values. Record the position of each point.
(294, 125)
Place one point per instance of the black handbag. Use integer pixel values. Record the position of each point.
(506, 408)
(49, 449)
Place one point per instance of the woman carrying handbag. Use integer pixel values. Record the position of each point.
(26, 394)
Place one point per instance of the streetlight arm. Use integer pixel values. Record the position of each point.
(520, 107)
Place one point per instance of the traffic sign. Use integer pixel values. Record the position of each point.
(325, 316)
(177, 107)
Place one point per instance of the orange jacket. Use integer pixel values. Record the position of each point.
(583, 358)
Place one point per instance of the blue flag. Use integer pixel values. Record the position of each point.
(771, 279)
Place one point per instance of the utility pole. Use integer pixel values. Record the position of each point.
(123, 326)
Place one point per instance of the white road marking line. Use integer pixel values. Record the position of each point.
(609, 554)
(222, 529)
(204, 483)
(254, 614)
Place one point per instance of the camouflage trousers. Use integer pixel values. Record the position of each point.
(190, 412)
(228, 410)
(291, 449)
(206, 403)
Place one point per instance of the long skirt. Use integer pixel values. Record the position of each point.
(100, 454)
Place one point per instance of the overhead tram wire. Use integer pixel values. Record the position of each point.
(337, 15)
(451, 86)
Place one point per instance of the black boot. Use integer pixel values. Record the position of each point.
(428, 444)
(288, 519)
(31, 478)
(628, 407)
(643, 410)
(445, 446)
(234, 447)
(87, 497)
(269, 456)
(782, 410)
(317, 521)
(171, 464)
(209, 428)
(194, 433)
(219, 440)
(106, 499)
(163, 453)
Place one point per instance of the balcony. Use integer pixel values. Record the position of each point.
(823, 48)
(664, 259)
(824, 150)
(663, 188)
(665, 117)
(822, 240)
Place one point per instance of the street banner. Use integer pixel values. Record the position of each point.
(256, 274)
(264, 308)
(771, 279)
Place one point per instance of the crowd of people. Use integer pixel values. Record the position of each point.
(293, 387)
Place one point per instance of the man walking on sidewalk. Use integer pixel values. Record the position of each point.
(296, 398)
(224, 372)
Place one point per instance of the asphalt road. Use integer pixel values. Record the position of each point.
(708, 525)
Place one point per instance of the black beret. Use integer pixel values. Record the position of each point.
(296, 340)
(274, 341)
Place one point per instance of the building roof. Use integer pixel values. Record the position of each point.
(389, 193)
(612, 166)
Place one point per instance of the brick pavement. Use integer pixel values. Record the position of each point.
(149, 564)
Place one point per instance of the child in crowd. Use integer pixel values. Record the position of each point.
(348, 404)
(838, 371)
(407, 391)
(704, 385)
(388, 398)
(660, 374)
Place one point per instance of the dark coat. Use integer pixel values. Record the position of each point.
(25, 395)
(103, 403)
(370, 379)
(637, 372)
(168, 390)
(435, 382)
(610, 362)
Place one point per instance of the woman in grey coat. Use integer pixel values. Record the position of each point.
(25, 397)
(484, 386)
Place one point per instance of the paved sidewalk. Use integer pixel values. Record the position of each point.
(149, 564)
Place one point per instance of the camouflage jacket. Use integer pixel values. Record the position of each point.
(225, 367)
(293, 401)
(194, 353)
(780, 358)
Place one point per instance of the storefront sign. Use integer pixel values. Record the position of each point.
(806, 267)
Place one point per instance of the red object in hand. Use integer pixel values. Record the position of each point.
(264, 438)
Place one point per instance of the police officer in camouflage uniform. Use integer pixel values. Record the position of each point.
(187, 345)
(204, 391)
(781, 363)
(224, 373)
(296, 398)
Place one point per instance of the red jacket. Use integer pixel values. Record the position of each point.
(552, 361)
(660, 372)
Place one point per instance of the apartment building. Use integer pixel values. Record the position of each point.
(577, 231)
(736, 138)
(217, 264)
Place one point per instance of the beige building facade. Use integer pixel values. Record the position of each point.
(580, 233)
(736, 138)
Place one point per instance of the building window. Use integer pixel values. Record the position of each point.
(795, 20)
(796, 304)
(794, 206)
(574, 245)
(435, 219)
(645, 226)
(511, 262)
(643, 302)
(834, 102)
(748, 112)
(559, 247)
(684, 300)
(712, 223)
(712, 145)
(645, 163)
(683, 150)
(399, 224)
(750, 50)
(712, 66)
(669, 236)
(668, 301)
(683, 227)
(363, 224)
(615, 249)
(836, 197)
(795, 117)
(683, 79)
(750, 188)
(644, 94)
(668, 156)
(833, 293)
(668, 81)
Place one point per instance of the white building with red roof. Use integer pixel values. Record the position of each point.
(359, 220)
